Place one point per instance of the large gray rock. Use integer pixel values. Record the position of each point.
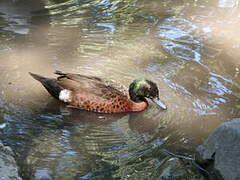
(223, 147)
(8, 166)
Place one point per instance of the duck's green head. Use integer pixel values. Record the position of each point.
(141, 88)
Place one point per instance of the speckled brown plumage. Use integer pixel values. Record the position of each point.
(117, 104)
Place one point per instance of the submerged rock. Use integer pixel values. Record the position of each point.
(222, 150)
(177, 169)
(8, 166)
(173, 169)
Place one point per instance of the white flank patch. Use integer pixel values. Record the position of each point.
(65, 95)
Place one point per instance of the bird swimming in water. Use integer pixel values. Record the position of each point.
(98, 95)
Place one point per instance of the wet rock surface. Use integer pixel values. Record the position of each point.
(8, 166)
(173, 168)
(222, 150)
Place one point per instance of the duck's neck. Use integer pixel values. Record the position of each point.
(139, 106)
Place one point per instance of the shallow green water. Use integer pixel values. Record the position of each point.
(189, 48)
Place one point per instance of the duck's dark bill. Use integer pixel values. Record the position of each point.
(159, 103)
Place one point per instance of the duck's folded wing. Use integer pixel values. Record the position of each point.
(91, 85)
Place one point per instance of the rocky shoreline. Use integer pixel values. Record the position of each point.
(8, 166)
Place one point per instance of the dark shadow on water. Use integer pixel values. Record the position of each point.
(78, 126)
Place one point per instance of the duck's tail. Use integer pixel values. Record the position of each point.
(50, 84)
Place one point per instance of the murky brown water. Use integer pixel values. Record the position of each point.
(189, 48)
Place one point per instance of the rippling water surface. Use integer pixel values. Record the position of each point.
(189, 48)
